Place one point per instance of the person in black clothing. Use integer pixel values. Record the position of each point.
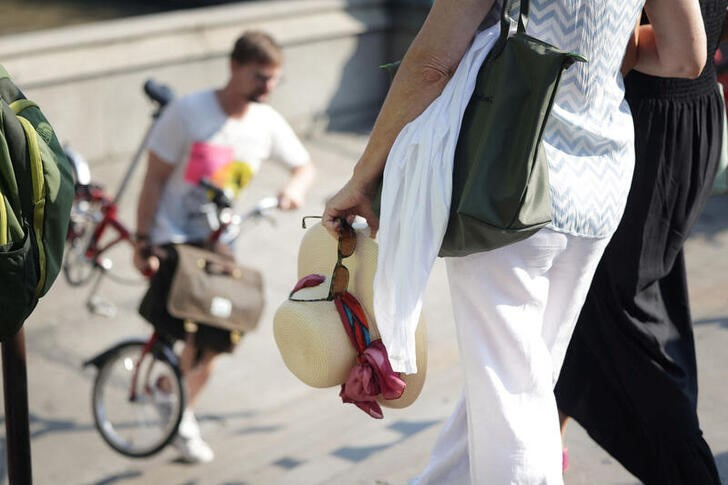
(629, 377)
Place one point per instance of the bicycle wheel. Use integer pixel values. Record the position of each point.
(138, 399)
(77, 268)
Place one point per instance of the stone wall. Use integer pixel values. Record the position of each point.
(89, 78)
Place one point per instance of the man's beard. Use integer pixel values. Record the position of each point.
(258, 97)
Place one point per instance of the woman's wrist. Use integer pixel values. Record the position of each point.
(364, 176)
(141, 242)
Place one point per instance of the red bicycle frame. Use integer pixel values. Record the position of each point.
(109, 210)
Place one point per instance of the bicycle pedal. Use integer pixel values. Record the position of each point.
(101, 307)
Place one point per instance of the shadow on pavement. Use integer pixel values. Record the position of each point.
(722, 321)
(41, 426)
(259, 429)
(721, 460)
(119, 477)
(406, 429)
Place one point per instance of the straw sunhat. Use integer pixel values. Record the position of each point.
(310, 335)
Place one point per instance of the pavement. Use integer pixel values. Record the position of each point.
(265, 426)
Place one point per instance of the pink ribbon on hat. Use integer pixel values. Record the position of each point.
(308, 281)
(372, 375)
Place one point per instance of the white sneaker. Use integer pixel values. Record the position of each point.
(189, 441)
(188, 427)
(193, 450)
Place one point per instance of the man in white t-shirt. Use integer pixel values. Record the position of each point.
(222, 136)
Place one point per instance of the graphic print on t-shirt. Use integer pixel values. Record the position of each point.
(233, 176)
(216, 163)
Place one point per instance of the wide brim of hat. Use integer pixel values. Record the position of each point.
(310, 335)
(415, 382)
(312, 340)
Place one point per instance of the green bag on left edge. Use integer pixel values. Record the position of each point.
(500, 191)
(36, 193)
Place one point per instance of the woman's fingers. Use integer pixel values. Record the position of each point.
(372, 220)
(331, 223)
(348, 203)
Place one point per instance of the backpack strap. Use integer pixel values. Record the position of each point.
(3, 221)
(38, 181)
(3, 73)
(20, 104)
(3, 209)
(36, 173)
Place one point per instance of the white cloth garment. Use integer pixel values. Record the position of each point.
(515, 310)
(415, 207)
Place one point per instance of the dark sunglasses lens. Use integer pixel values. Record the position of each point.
(339, 280)
(347, 241)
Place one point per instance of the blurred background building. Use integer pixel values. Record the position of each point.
(85, 61)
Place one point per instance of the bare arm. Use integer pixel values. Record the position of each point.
(674, 43)
(158, 172)
(293, 193)
(425, 70)
(630, 56)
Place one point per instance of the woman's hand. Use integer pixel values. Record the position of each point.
(354, 199)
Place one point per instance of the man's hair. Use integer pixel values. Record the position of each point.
(256, 46)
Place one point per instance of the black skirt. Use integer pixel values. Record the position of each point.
(629, 377)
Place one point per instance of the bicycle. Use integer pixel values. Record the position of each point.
(138, 394)
(95, 212)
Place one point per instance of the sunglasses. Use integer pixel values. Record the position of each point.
(340, 274)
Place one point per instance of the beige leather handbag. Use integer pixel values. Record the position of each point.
(212, 289)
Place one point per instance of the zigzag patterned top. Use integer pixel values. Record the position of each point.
(589, 137)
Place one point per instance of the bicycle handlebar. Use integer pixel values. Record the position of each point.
(219, 197)
(224, 203)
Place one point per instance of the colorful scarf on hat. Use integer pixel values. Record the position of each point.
(372, 375)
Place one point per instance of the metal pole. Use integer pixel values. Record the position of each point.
(134, 162)
(17, 424)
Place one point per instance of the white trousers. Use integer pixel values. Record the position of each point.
(515, 309)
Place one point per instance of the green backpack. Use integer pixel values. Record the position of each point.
(36, 193)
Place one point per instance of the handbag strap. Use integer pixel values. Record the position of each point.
(509, 21)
